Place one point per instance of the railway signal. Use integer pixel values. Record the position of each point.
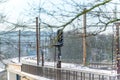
(60, 37)
(59, 44)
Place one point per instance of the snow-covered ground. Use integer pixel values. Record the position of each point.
(74, 67)
(32, 60)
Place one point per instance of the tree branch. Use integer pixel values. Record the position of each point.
(106, 24)
(78, 15)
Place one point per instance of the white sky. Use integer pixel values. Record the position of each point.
(15, 8)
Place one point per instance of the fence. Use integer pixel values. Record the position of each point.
(102, 65)
(64, 74)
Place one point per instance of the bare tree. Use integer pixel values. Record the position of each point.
(2, 15)
(67, 13)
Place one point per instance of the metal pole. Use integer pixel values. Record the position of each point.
(41, 52)
(117, 49)
(19, 44)
(42, 59)
(84, 39)
(55, 55)
(37, 42)
(59, 57)
(59, 63)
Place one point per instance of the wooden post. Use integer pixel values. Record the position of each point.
(84, 39)
(37, 42)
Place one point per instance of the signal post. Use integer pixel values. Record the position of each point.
(59, 44)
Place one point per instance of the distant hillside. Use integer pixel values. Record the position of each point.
(9, 42)
(99, 48)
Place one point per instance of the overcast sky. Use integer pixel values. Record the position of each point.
(16, 8)
(13, 9)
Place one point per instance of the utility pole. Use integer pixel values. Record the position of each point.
(84, 39)
(117, 48)
(117, 51)
(37, 42)
(42, 58)
(19, 44)
(41, 51)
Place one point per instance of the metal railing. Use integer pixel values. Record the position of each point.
(64, 74)
(101, 65)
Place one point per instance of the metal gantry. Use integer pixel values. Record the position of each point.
(117, 48)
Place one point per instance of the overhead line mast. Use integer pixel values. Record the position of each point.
(117, 48)
(37, 42)
(84, 39)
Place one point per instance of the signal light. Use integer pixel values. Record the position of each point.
(60, 37)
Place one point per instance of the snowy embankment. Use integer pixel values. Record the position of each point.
(67, 66)
(75, 67)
